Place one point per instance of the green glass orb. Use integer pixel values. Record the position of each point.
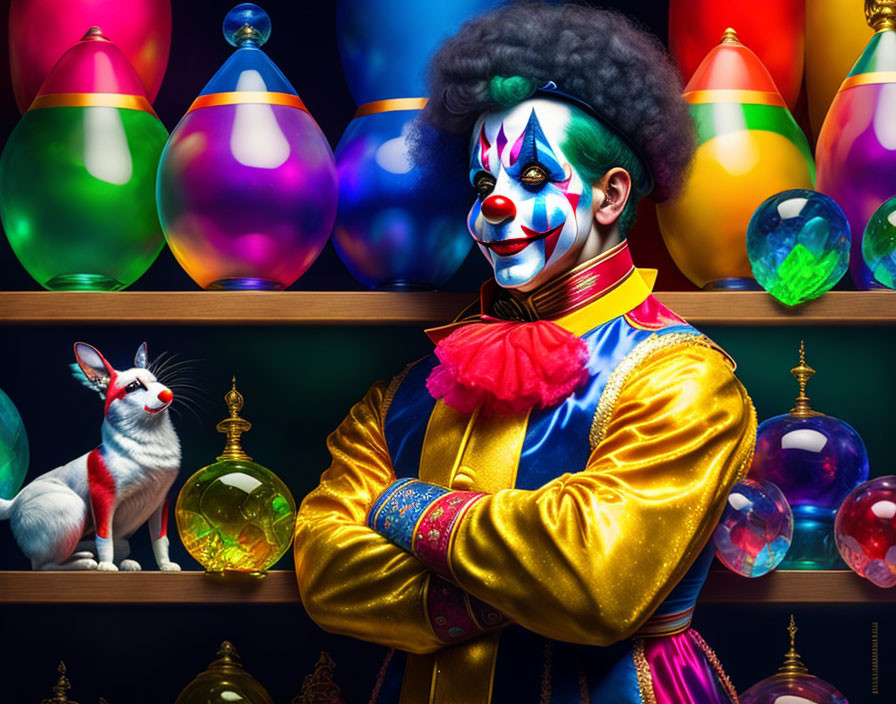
(235, 516)
(13, 448)
(77, 195)
(879, 243)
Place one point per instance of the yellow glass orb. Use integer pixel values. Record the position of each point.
(225, 682)
(235, 516)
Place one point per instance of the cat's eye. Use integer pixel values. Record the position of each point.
(484, 183)
(134, 385)
(534, 176)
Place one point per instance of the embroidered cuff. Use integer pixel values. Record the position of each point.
(421, 518)
(454, 615)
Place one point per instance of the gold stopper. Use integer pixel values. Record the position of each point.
(60, 689)
(880, 14)
(729, 36)
(802, 373)
(792, 663)
(96, 34)
(233, 427)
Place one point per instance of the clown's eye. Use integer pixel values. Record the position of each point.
(484, 183)
(134, 385)
(534, 176)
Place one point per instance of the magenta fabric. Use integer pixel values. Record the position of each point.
(681, 673)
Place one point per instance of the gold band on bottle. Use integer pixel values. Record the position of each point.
(390, 105)
(92, 100)
(242, 97)
(864, 79)
(720, 95)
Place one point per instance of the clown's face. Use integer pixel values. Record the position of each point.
(533, 214)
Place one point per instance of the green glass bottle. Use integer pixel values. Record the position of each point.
(77, 176)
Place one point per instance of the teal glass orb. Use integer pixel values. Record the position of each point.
(13, 448)
(798, 243)
(879, 243)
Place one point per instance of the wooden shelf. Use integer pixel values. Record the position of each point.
(384, 308)
(279, 587)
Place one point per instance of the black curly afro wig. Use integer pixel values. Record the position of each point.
(500, 58)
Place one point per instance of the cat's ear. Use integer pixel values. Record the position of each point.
(140, 358)
(95, 367)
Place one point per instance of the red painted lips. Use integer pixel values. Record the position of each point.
(507, 248)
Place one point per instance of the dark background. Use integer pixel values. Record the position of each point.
(298, 383)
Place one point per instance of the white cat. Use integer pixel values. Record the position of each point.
(79, 516)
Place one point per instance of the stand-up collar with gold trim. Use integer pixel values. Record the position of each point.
(592, 293)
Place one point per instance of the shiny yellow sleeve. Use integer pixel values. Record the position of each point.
(589, 556)
(351, 580)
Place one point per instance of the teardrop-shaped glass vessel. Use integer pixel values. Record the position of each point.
(77, 174)
(246, 186)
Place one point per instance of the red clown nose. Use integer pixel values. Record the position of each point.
(497, 209)
(165, 395)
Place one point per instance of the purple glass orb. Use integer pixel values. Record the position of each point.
(815, 461)
(792, 688)
(755, 530)
(246, 187)
(866, 530)
(396, 228)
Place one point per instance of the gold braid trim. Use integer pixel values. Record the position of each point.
(627, 367)
(716, 665)
(391, 389)
(645, 681)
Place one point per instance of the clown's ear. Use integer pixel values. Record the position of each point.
(610, 195)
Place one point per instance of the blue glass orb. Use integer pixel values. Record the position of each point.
(396, 227)
(815, 461)
(755, 530)
(879, 243)
(247, 22)
(385, 45)
(14, 452)
(798, 242)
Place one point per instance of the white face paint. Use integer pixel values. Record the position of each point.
(533, 214)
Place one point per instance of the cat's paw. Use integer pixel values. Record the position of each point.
(106, 567)
(129, 566)
(169, 566)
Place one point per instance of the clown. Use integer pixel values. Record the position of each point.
(524, 515)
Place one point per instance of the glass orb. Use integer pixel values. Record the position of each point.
(815, 461)
(247, 21)
(235, 516)
(866, 530)
(798, 243)
(755, 529)
(14, 450)
(792, 688)
(225, 682)
(879, 243)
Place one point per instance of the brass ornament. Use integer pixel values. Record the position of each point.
(793, 665)
(319, 687)
(60, 689)
(234, 426)
(729, 36)
(880, 14)
(802, 373)
(224, 681)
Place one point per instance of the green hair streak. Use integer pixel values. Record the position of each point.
(510, 90)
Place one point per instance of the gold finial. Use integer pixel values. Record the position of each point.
(880, 14)
(802, 373)
(729, 36)
(233, 427)
(60, 689)
(792, 663)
